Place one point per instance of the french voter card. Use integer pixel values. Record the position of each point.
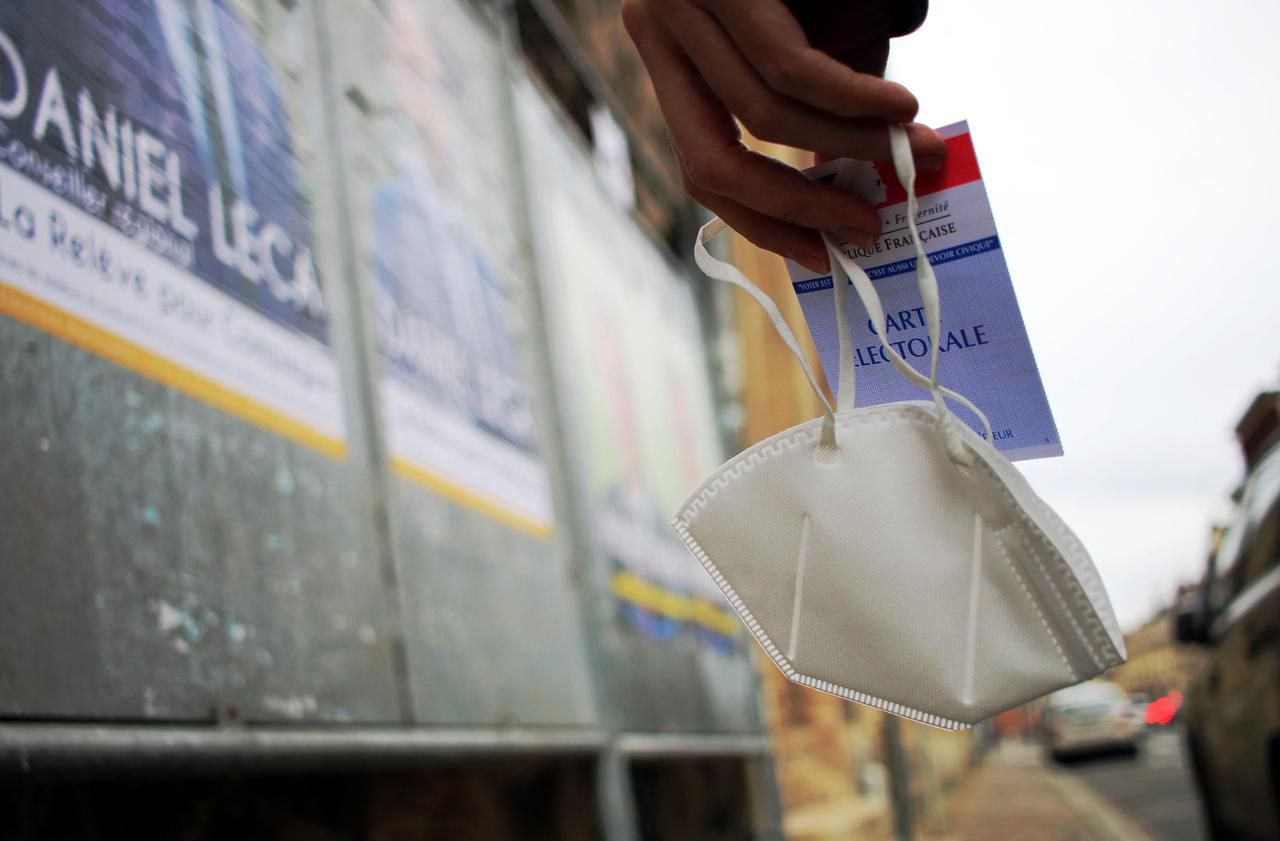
(984, 351)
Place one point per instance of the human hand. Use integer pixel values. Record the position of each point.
(714, 60)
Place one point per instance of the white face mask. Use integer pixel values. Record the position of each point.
(890, 555)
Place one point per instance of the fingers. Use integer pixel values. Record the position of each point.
(772, 41)
(924, 143)
(712, 61)
(770, 115)
(802, 245)
(713, 158)
(775, 189)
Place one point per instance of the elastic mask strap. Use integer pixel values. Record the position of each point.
(840, 289)
(871, 301)
(926, 282)
(848, 387)
(843, 270)
(928, 286)
(720, 270)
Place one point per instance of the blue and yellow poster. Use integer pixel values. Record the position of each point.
(152, 210)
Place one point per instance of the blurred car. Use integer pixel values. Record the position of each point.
(1231, 708)
(1092, 717)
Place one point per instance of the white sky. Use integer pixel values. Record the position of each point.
(1130, 150)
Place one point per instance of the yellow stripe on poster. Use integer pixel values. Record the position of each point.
(717, 619)
(76, 331)
(467, 499)
(657, 599)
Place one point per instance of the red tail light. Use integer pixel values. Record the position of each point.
(1162, 710)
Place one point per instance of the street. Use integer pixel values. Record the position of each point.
(1155, 791)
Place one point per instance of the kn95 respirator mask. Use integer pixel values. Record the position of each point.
(890, 555)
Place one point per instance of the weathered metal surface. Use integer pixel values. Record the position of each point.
(648, 746)
(634, 405)
(490, 613)
(499, 643)
(28, 749)
(166, 561)
(201, 581)
(154, 554)
(162, 559)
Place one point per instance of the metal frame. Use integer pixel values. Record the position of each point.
(98, 748)
(47, 747)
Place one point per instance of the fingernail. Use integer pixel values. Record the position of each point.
(856, 236)
(906, 99)
(813, 262)
(920, 133)
(929, 163)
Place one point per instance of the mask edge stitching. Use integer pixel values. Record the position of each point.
(1089, 590)
(1106, 652)
(788, 670)
(1079, 596)
(919, 416)
(767, 449)
(1082, 591)
(1080, 633)
(1035, 603)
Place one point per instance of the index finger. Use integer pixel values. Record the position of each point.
(772, 40)
(713, 157)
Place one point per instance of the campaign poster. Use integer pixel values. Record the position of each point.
(637, 405)
(429, 147)
(153, 210)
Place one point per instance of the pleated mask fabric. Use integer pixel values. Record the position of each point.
(890, 555)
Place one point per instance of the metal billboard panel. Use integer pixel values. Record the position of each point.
(636, 407)
(490, 611)
(170, 389)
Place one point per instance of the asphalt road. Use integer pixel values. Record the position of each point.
(1155, 790)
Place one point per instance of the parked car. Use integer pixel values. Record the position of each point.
(1232, 707)
(1092, 717)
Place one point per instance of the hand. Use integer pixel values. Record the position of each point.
(714, 60)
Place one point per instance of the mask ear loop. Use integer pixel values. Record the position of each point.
(928, 286)
(842, 264)
(720, 270)
(847, 388)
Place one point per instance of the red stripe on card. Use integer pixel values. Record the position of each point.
(960, 167)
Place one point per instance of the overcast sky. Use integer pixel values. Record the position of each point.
(1131, 154)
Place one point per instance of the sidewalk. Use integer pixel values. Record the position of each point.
(1014, 796)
